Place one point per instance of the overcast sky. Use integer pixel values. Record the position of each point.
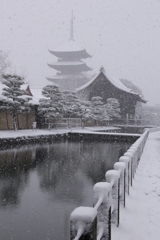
(121, 35)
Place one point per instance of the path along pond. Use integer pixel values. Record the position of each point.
(40, 185)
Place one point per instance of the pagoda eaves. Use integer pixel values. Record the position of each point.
(69, 50)
(71, 55)
(70, 67)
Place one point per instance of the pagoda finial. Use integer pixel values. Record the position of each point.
(71, 27)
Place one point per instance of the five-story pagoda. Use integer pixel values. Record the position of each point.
(71, 69)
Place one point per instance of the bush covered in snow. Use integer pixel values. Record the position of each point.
(51, 106)
(16, 100)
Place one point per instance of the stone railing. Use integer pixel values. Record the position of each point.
(95, 222)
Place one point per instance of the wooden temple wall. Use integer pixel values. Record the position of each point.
(24, 121)
(127, 106)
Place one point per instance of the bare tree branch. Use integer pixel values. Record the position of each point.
(4, 63)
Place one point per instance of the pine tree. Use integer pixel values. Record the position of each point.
(113, 108)
(97, 107)
(71, 104)
(16, 100)
(86, 111)
(51, 105)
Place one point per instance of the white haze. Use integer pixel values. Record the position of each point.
(121, 35)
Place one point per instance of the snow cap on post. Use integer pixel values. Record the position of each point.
(131, 150)
(83, 222)
(124, 159)
(120, 166)
(86, 214)
(112, 176)
(101, 193)
(129, 154)
(133, 147)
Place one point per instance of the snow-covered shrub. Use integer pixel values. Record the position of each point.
(51, 106)
(113, 108)
(16, 100)
(71, 105)
(97, 108)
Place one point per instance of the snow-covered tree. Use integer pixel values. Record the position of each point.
(112, 108)
(16, 100)
(97, 108)
(86, 110)
(71, 104)
(51, 105)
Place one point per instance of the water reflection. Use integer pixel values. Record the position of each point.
(40, 185)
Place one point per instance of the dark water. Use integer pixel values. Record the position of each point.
(41, 185)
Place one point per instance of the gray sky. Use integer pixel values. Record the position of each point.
(121, 35)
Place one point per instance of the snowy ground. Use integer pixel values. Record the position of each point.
(30, 132)
(37, 132)
(140, 220)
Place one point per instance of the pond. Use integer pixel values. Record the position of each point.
(41, 185)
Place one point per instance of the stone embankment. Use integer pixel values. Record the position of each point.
(10, 139)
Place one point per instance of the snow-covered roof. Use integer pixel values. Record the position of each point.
(37, 95)
(71, 66)
(70, 47)
(24, 86)
(116, 83)
(67, 63)
(66, 77)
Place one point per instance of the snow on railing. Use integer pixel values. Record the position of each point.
(113, 177)
(126, 161)
(95, 222)
(102, 203)
(121, 167)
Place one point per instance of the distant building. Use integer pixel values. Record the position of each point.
(106, 88)
(70, 66)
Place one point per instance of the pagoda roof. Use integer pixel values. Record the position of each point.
(70, 48)
(78, 65)
(67, 63)
(117, 84)
(61, 77)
